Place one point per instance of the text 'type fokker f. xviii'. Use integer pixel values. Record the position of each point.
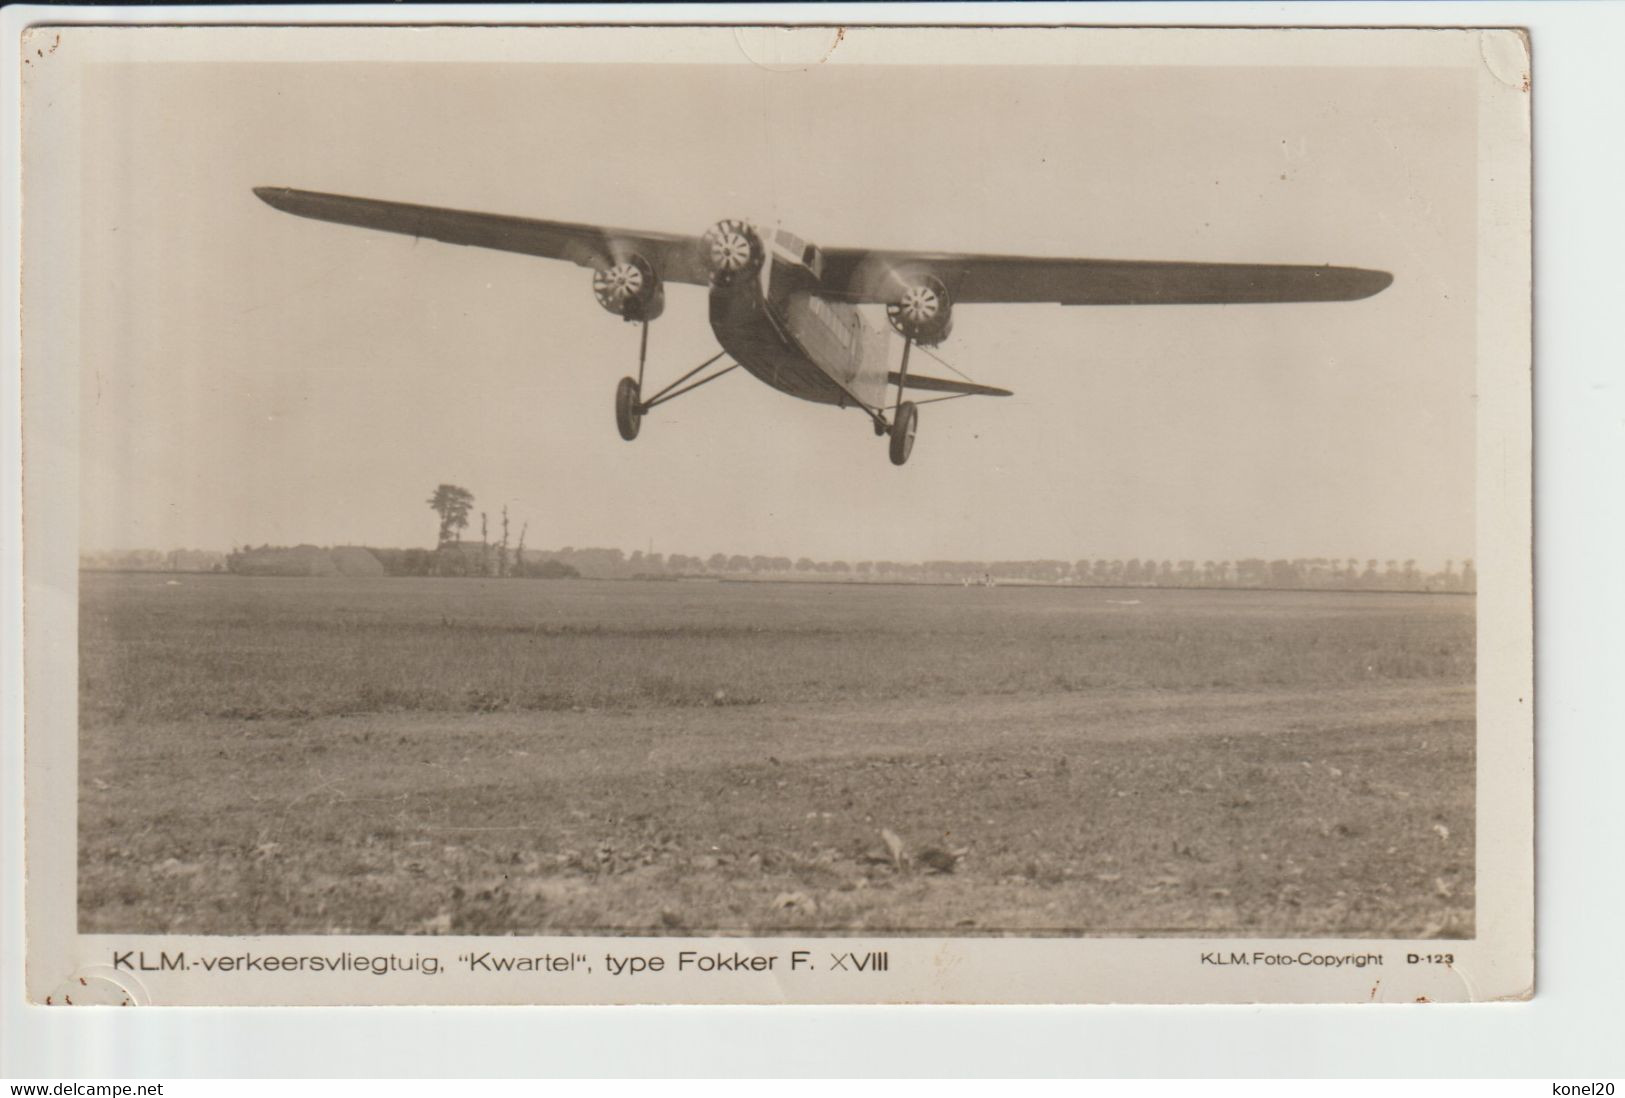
(787, 311)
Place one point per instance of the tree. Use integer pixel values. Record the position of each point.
(502, 558)
(452, 504)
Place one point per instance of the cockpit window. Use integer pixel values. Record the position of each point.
(789, 242)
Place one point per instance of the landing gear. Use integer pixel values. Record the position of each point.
(905, 421)
(630, 407)
(905, 418)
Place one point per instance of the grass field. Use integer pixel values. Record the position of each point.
(466, 756)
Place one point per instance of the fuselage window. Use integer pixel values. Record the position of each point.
(833, 322)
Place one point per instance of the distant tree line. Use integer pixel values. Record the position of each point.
(486, 559)
(1304, 572)
(505, 558)
(154, 560)
(303, 560)
(472, 559)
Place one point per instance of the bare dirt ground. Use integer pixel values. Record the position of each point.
(1038, 761)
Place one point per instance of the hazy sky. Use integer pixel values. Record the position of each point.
(254, 377)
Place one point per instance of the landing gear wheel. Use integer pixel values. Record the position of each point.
(904, 424)
(628, 410)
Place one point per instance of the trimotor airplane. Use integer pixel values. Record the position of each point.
(787, 311)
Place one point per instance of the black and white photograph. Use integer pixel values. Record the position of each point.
(742, 487)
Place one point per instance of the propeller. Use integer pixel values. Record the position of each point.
(917, 308)
(629, 288)
(918, 304)
(614, 285)
(922, 310)
(731, 248)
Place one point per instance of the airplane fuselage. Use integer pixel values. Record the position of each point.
(777, 328)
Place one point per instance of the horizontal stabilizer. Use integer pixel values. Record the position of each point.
(945, 385)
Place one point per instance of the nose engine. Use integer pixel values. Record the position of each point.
(923, 311)
(731, 250)
(630, 289)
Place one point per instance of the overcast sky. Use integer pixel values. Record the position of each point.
(254, 377)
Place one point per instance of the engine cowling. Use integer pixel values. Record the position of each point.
(630, 289)
(731, 250)
(923, 311)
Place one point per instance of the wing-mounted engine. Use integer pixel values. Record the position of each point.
(731, 250)
(630, 288)
(922, 311)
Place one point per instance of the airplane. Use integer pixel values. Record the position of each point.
(788, 311)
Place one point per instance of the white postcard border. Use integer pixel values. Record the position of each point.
(1495, 965)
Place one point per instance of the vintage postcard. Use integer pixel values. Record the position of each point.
(752, 515)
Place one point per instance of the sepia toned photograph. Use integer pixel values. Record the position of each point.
(855, 486)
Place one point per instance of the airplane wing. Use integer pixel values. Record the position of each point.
(677, 258)
(854, 274)
(946, 385)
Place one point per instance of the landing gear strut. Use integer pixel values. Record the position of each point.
(905, 418)
(630, 407)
